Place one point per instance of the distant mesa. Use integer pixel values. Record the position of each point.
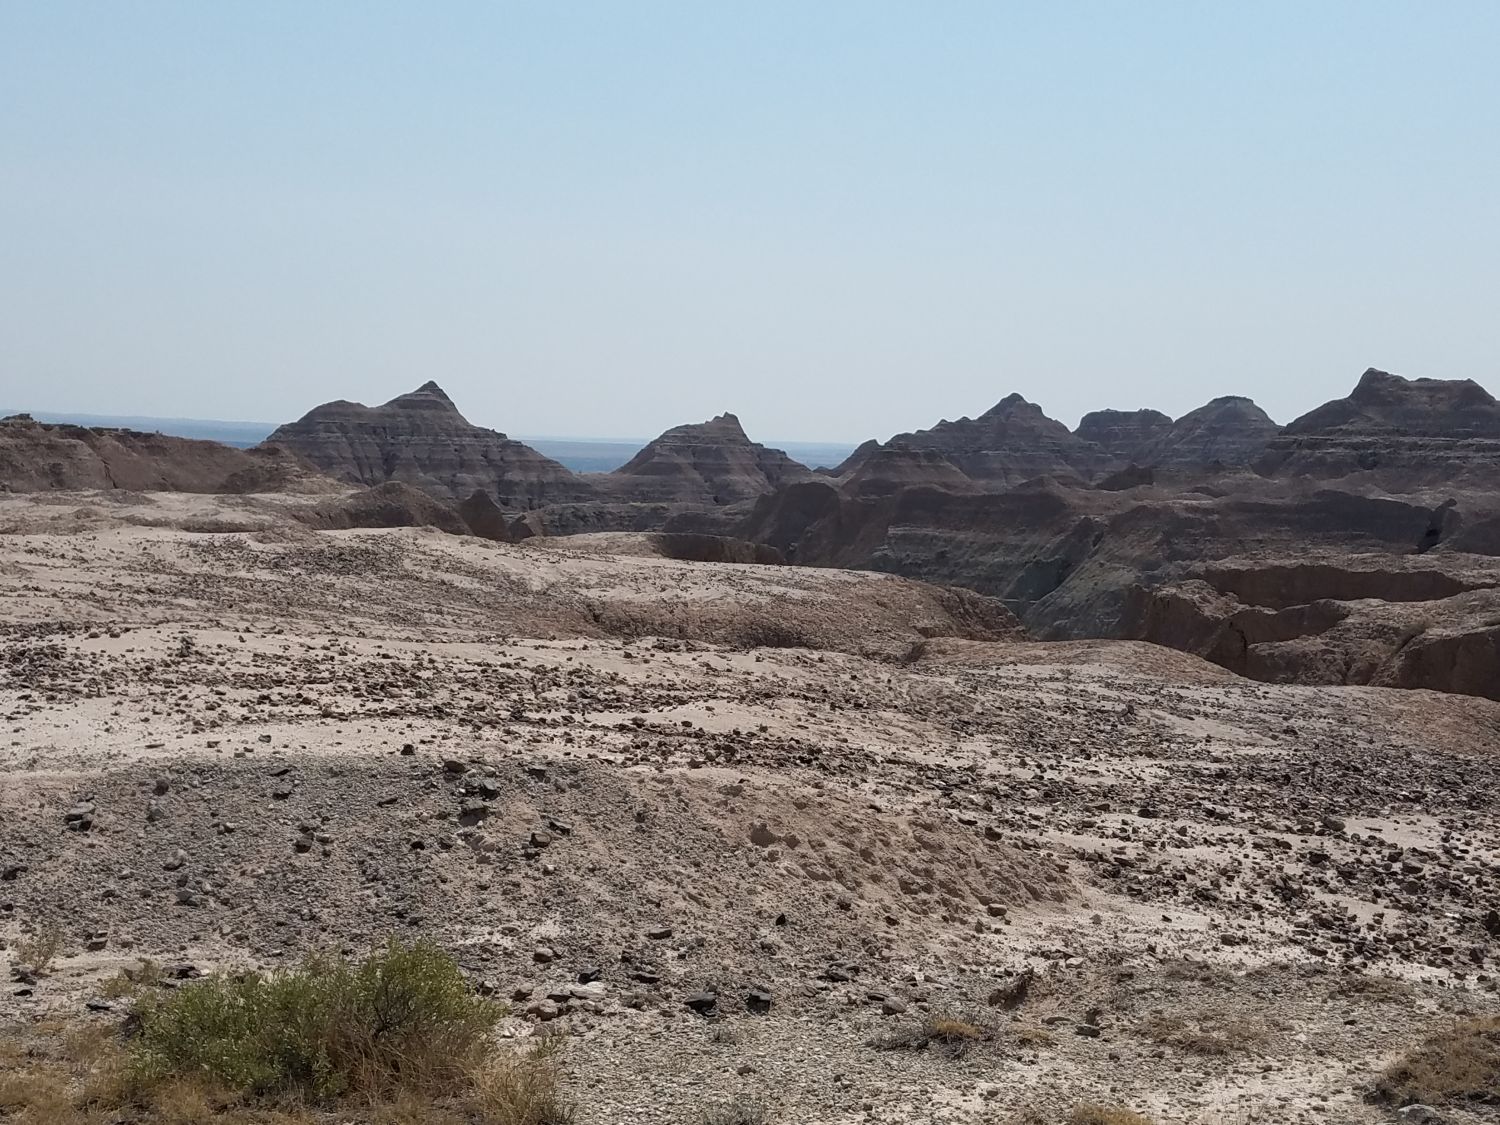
(1124, 435)
(1441, 408)
(1406, 431)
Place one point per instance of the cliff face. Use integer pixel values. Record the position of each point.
(1409, 431)
(38, 457)
(709, 462)
(1064, 557)
(1124, 436)
(422, 440)
(1341, 619)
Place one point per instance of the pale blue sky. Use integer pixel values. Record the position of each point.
(839, 220)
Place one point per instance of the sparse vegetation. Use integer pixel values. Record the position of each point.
(36, 953)
(1206, 1033)
(950, 1036)
(402, 1019)
(1196, 972)
(1089, 1113)
(1461, 1064)
(1375, 988)
(398, 1036)
(743, 1111)
(522, 1089)
(1028, 1035)
(131, 984)
(723, 1036)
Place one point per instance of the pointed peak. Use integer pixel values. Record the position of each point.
(720, 428)
(726, 424)
(1012, 404)
(1374, 377)
(429, 396)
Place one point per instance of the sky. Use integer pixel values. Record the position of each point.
(837, 219)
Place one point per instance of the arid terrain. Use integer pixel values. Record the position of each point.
(738, 834)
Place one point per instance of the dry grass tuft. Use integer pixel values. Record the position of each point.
(1090, 1113)
(1206, 1033)
(1381, 990)
(950, 1036)
(1461, 1064)
(522, 1089)
(40, 1094)
(741, 1112)
(131, 984)
(1197, 972)
(1028, 1035)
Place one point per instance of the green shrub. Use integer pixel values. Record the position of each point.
(403, 1019)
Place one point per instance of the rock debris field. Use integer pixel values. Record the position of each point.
(732, 830)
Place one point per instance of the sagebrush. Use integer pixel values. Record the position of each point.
(402, 1019)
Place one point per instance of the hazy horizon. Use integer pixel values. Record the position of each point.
(838, 221)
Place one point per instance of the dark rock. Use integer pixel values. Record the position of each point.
(704, 1003)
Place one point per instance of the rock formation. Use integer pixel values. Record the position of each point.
(1124, 436)
(1230, 431)
(1342, 619)
(1133, 526)
(1406, 431)
(1015, 442)
(885, 470)
(1064, 556)
(422, 440)
(708, 462)
(42, 457)
(1011, 442)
